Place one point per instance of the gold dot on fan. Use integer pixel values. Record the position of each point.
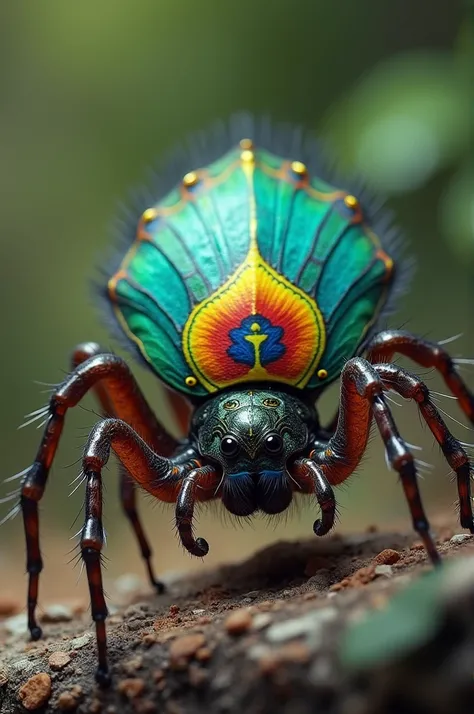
(190, 381)
(351, 201)
(299, 168)
(322, 373)
(149, 215)
(247, 156)
(190, 179)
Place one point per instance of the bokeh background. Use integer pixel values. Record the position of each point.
(93, 93)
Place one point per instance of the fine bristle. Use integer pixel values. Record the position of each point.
(281, 139)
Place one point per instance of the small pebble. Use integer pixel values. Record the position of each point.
(174, 609)
(305, 626)
(262, 620)
(57, 613)
(268, 664)
(3, 678)
(385, 570)
(203, 654)
(69, 701)
(82, 641)
(460, 538)
(149, 639)
(58, 660)
(238, 622)
(36, 692)
(24, 666)
(16, 625)
(293, 652)
(387, 557)
(131, 688)
(258, 651)
(204, 620)
(131, 666)
(95, 707)
(185, 647)
(199, 612)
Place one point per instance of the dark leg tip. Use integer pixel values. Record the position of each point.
(202, 547)
(320, 529)
(36, 633)
(159, 586)
(103, 678)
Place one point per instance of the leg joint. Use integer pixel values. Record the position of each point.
(34, 566)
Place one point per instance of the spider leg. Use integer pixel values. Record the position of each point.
(127, 489)
(310, 477)
(362, 399)
(124, 398)
(385, 344)
(185, 502)
(151, 471)
(128, 500)
(410, 386)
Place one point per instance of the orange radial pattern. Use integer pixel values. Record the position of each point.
(257, 326)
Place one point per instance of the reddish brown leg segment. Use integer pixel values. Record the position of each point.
(123, 396)
(428, 354)
(92, 541)
(361, 397)
(148, 469)
(410, 386)
(127, 491)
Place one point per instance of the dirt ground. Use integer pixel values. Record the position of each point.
(265, 635)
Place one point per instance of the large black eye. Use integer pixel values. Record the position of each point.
(274, 443)
(229, 446)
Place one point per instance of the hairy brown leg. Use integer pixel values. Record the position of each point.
(386, 344)
(151, 471)
(127, 490)
(361, 399)
(125, 399)
(410, 386)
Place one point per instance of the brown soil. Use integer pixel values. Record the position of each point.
(260, 636)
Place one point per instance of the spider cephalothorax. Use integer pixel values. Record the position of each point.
(252, 435)
(253, 280)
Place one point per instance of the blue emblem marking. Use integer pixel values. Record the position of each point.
(256, 342)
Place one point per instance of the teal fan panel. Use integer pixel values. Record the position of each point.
(196, 241)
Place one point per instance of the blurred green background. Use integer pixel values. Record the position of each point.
(93, 93)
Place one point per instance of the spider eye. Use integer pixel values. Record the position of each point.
(274, 443)
(271, 402)
(229, 446)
